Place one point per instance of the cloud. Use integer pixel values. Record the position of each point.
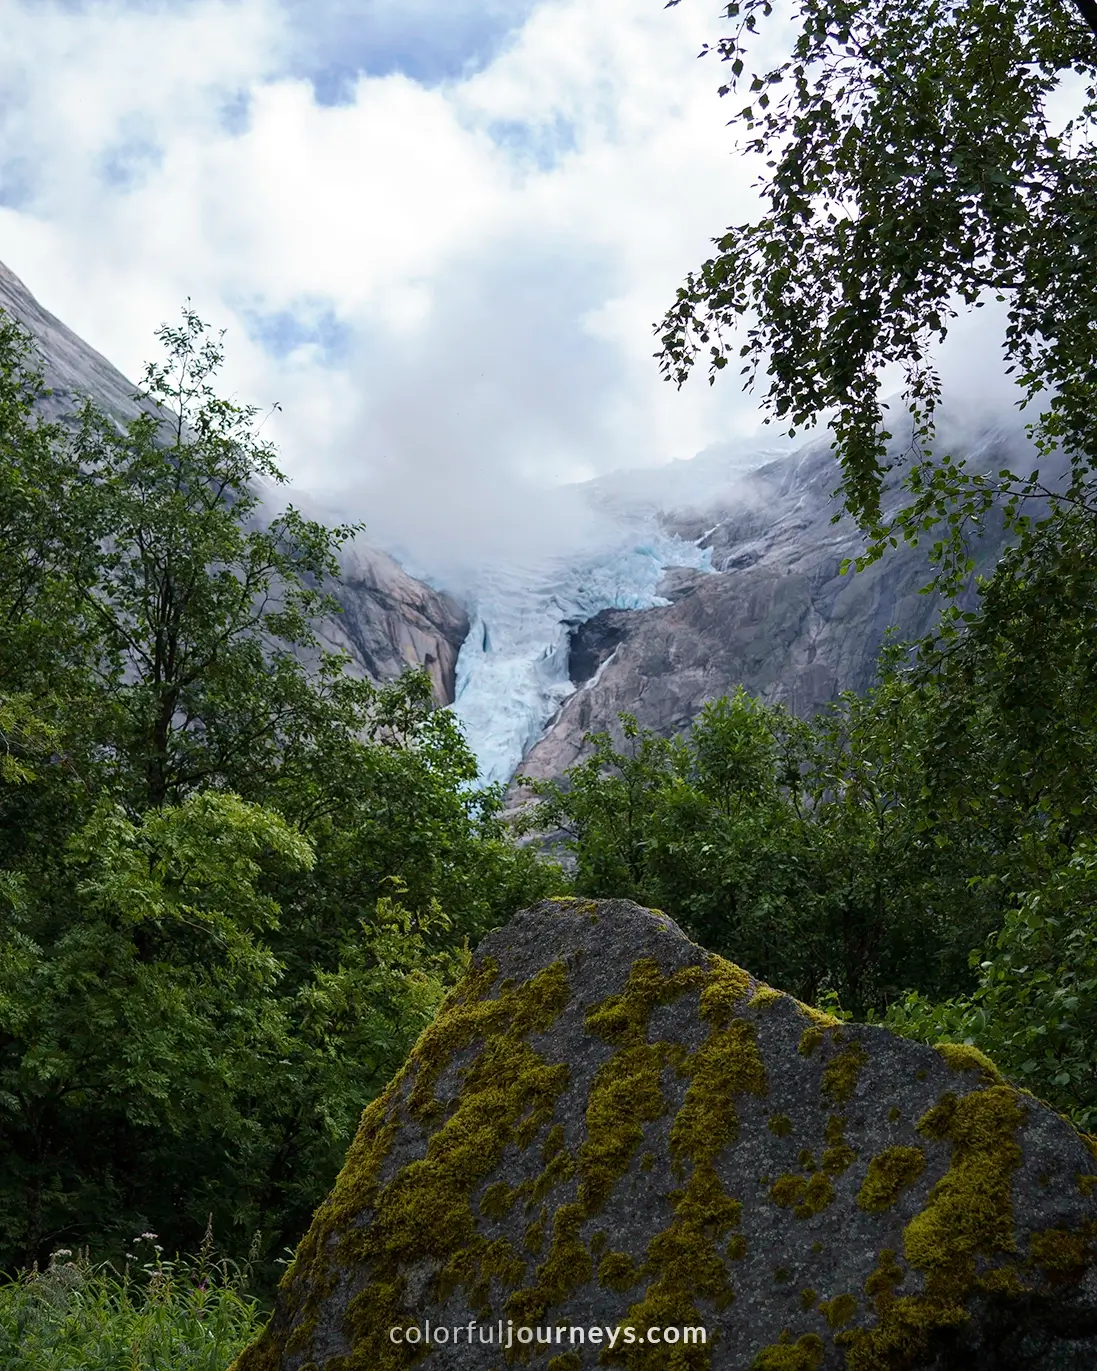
(438, 234)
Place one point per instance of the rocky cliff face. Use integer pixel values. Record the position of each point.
(609, 1137)
(72, 369)
(390, 620)
(774, 615)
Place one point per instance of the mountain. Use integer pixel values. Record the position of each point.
(664, 588)
(390, 620)
(769, 608)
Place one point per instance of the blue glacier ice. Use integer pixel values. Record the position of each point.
(582, 548)
(512, 672)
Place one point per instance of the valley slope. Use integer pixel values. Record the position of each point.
(390, 620)
(774, 614)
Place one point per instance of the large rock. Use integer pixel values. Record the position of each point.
(390, 620)
(608, 1128)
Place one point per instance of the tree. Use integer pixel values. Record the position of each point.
(203, 612)
(1034, 1008)
(40, 648)
(235, 879)
(911, 165)
(807, 852)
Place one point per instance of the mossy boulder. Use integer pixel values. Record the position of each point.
(608, 1127)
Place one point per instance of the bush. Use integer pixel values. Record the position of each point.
(190, 1314)
(1034, 1010)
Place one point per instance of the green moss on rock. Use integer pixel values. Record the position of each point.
(1061, 1254)
(805, 1354)
(964, 1057)
(726, 986)
(888, 1172)
(617, 1271)
(968, 1216)
(842, 1073)
(626, 1092)
(838, 1156)
(534, 1236)
(685, 1262)
(804, 1195)
(838, 1311)
(567, 1266)
(496, 1201)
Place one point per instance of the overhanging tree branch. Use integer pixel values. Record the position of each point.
(1088, 10)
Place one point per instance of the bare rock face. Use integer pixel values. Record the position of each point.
(71, 368)
(611, 1148)
(775, 615)
(390, 621)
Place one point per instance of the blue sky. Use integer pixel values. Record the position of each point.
(438, 234)
(431, 43)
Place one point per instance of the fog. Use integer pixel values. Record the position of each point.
(437, 236)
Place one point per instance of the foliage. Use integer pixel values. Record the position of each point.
(37, 535)
(1014, 753)
(235, 879)
(191, 1315)
(1017, 698)
(911, 161)
(797, 850)
(913, 166)
(202, 611)
(1034, 1009)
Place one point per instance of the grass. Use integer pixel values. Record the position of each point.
(191, 1314)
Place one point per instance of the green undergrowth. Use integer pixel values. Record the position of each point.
(190, 1314)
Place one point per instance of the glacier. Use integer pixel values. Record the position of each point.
(596, 545)
(512, 670)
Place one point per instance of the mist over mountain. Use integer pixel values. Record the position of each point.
(649, 591)
(758, 599)
(390, 620)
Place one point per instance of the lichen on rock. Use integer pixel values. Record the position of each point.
(606, 1126)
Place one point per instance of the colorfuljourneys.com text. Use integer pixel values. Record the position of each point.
(559, 1334)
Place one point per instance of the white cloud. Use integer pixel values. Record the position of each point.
(448, 278)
